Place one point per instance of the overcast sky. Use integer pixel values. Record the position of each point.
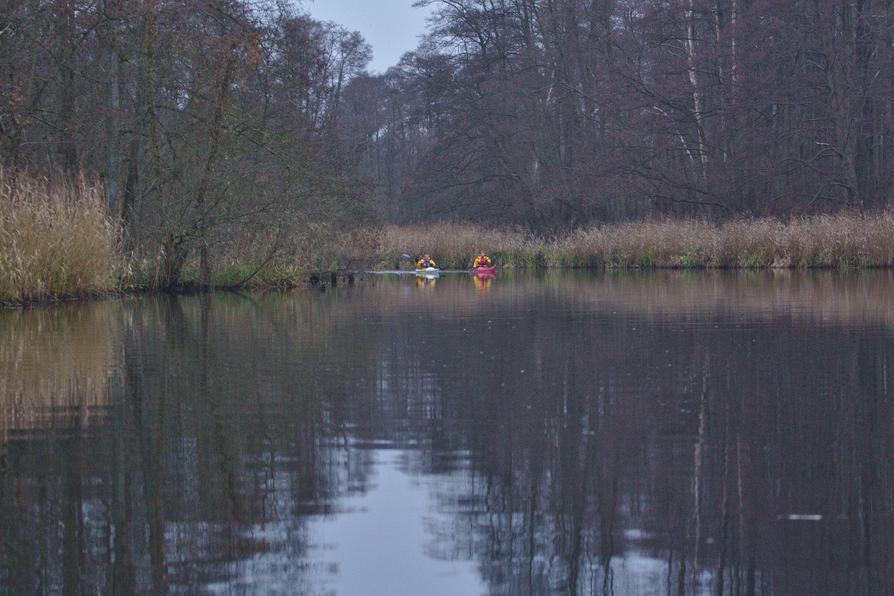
(391, 27)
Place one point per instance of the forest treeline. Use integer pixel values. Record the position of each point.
(238, 130)
(552, 113)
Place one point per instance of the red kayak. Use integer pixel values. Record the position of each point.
(485, 270)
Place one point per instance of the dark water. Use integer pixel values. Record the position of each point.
(672, 433)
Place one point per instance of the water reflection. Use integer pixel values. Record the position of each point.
(483, 281)
(665, 433)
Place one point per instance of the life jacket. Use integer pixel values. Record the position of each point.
(422, 263)
(484, 261)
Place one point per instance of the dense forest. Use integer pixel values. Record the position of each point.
(244, 122)
(557, 112)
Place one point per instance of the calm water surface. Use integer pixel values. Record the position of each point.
(667, 433)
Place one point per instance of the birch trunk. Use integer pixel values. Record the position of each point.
(697, 96)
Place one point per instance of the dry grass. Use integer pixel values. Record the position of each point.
(55, 239)
(838, 241)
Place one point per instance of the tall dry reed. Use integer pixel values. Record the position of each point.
(832, 241)
(55, 239)
(837, 241)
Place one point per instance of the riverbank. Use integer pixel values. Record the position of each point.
(56, 243)
(842, 241)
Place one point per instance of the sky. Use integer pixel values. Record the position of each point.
(391, 27)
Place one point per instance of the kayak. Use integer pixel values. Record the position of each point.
(428, 271)
(485, 270)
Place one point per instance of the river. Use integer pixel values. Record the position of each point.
(606, 433)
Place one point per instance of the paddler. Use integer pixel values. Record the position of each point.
(425, 262)
(482, 260)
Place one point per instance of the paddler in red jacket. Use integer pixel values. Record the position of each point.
(482, 260)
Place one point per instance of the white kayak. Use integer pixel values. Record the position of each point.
(429, 271)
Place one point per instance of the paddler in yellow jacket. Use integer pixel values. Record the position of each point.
(482, 260)
(425, 262)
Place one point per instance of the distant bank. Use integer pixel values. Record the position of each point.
(56, 243)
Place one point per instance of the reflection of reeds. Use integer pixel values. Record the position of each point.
(825, 296)
(58, 360)
(55, 365)
(831, 297)
(55, 239)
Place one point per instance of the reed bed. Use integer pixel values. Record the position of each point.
(55, 239)
(847, 240)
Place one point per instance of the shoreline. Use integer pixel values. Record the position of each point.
(325, 280)
(58, 244)
(321, 281)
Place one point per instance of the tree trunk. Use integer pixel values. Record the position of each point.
(113, 106)
(697, 99)
(205, 181)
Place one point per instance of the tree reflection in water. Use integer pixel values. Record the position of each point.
(669, 433)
